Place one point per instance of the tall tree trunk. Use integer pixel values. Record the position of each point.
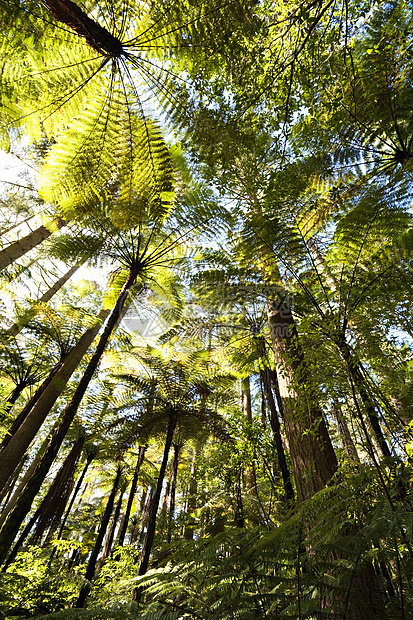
(276, 430)
(124, 526)
(100, 39)
(111, 534)
(11, 526)
(19, 248)
(153, 509)
(43, 401)
(90, 570)
(59, 284)
(192, 491)
(175, 463)
(54, 502)
(47, 296)
(25, 479)
(356, 375)
(343, 431)
(28, 407)
(312, 455)
(247, 409)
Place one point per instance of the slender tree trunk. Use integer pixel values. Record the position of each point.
(247, 409)
(359, 381)
(90, 570)
(54, 503)
(8, 404)
(312, 455)
(343, 430)
(177, 449)
(192, 491)
(43, 401)
(276, 430)
(11, 526)
(111, 534)
(26, 410)
(19, 248)
(124, 525)
(59, 284)
(153, 509)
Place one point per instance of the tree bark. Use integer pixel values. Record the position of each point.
(111, 534)
(96, 36)
(192, 490)
(177, 449)
(19, 248)
(153, 509)
(343, 431)
(53, 504)
(90, 570)
(358, 379)
(124, 526)
(24, 503)
(43, 401)
(312, 455)
(276, 430)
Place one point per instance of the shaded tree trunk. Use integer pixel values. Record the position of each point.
(125, 521)
(343, 430)
(153, 509)
(312, 455)
(276, 430)
(90, 570)
(177, 449)
(356, 375)
(247, 409)
(192, 491)
(111, 534)
(53, 504)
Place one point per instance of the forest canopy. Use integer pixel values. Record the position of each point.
(206, 331)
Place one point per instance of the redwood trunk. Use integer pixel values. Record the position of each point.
(312, 455)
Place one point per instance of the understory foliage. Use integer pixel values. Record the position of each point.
(206, 371)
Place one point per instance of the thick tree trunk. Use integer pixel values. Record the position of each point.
(43, 401)
(23, 482)
(153, 509)
(312, 455)
(276, 430)
(96, 36)
(125, 521)
(19, 248)
(54, 502)
(90, 570)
